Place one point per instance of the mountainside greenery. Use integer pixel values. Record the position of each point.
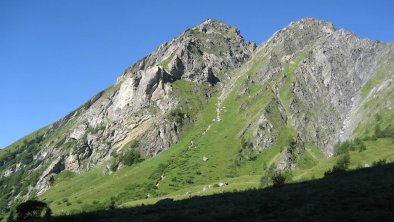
(360, 195)
(266, 118)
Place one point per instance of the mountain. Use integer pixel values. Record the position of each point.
(209, 107)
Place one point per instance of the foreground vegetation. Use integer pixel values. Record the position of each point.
(377, 153)
(359, 195)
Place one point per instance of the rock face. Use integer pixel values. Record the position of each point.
(324, 69)
(312, 72)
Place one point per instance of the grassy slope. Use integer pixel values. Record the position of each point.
(381, 149)
(97, 186)
(360, 195)
(182, 165)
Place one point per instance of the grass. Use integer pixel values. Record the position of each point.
(381, 149)
(376, 150)
(360, 195)
(167, 61)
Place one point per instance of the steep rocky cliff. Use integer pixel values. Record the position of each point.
(307, 80)
(318, 73)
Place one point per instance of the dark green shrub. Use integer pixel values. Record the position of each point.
(32, 209)
(343, 162)
(378, 118)
(340, 166)
(278, 179)
(95, 202)
(342, 148)
(362, 147)
(246, 151)
(346, 146)
(266, 178)
(114, 165)
(189, 180)
(378, 132)
(177, 116)
(131, 157)
(111, 204)
(379, 163)
(275, 177)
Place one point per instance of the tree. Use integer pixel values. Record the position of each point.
(340, 166)
(32, 209)
(362, 147)
(278, 179)
(342, 148)
(343, 162)
(266, 178)
(131, 157)
(275, 177)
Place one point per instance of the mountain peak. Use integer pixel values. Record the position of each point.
(313, 23)
(299, 34)
(216, 26)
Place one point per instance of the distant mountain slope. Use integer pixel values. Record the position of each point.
(214, 106)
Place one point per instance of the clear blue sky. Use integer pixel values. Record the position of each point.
(55, 55)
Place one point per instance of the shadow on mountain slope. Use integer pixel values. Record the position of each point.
(361, 195)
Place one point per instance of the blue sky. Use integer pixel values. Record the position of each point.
(55, 55)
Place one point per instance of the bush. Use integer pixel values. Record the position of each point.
(340, 166)
(274, 177)
(131, 157)
(32, 209)
(246, 151)
(266, 178)
(362, 147)
(278, 179)
(177, 116)
(378, 132)
(379, 163)
(388, 132)
(346, 146)
(342, 148)
(343, 163)
(95, 202)
(114, 165)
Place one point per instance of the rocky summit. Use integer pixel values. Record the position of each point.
(208, 107)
